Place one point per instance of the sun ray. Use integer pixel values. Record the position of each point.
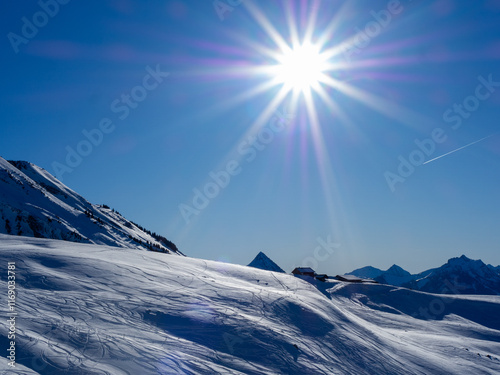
(311, 22)
(305, 68)
(262, 88)
(333, 25)
(266, 25)
(323, 159)
(253, 129)
(333, 106)
(292, 25)
(401, 114)
(268, 112)
(258, 47)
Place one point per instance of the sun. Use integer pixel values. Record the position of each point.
(300, 68)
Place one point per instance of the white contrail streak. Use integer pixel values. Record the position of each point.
(461, 148)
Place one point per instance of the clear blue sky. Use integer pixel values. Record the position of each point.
(315, 179)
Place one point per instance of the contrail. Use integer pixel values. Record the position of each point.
(461, 148)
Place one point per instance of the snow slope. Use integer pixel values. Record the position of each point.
(34, 203)
(93, 309)
(263, 262)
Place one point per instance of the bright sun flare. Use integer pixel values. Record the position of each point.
(301, 68)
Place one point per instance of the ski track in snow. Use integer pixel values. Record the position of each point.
(90, 309)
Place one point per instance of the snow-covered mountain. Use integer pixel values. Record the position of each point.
(93, 309)
(395, 275)
(458, 276)
(494, 269)
(367, 272)
(263, 262)
(34, 203)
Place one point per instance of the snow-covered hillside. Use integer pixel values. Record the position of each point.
(263, 262)
(34, 203)
(92, 309)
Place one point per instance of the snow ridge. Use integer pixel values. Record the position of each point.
(458, 276)
(33, 203)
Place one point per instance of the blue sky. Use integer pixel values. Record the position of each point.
(332, 180)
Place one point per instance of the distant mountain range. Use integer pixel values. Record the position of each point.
(458, 276)
(34, 203)
(263, 262)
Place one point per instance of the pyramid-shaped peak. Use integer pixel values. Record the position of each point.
(263, 262)
(397, 270)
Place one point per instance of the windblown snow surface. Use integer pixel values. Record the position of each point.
(92, 309)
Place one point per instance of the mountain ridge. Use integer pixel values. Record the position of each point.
(459, 275)
(34, 203)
